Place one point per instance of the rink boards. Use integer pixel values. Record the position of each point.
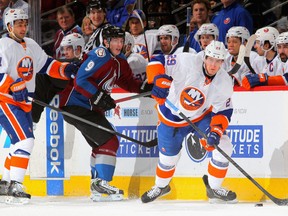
(258, 131)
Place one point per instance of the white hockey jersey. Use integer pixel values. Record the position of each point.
(243, 70)
(18, 61)
(272, 68)
(193, 93)
(152, 43)
(138, 65)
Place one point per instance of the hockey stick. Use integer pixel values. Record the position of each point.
(145, 39)
(149, 144)
(280, 202)
(249, 46)
(239, 61)
(133, 97)
(188, 17)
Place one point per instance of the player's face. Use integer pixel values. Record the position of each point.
(205, 40)
(282, 50)
(212, 65)
(68, 51)
(165, 43)
(200, 13)
(97, 17)
(116, 45)
(259, 48)
(233, 45)
(135, 26)
(19, 28)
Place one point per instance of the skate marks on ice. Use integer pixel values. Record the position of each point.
(47, 206)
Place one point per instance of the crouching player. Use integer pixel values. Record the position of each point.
(202, 90)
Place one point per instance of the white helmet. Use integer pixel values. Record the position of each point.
(207, 28)
(129, 40)
(171, 30)
(216, 49)
(267, 34)
(282, 38)
(238, 31)
(14, 14)
(74, 40)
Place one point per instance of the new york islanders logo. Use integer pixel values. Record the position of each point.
(227, 20)
(25, 68)
(141, 49)
(192, 98)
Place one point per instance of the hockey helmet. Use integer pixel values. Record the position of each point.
(14, 14)
(216, 49)
(282, 38)
(238, 31)
(267, 34)
(95, 4)
(207, 28)
(172, 31)
(112, 32)
(73, 40)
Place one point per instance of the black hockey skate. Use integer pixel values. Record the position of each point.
(4, 185)
(16, 194)
(154, 193)
(102, 191)
(220, 195)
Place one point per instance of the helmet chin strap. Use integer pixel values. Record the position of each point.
(13, 35)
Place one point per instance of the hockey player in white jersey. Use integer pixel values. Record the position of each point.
(136, 61)
(236, 36)
(144, 48)
(205, 34)
(168, 36)
(267, 61)
(201, 89)
(20, 59)
(262, 79)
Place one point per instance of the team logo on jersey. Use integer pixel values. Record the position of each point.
(25, 68)
(141, 49)
(192, 98)
(100, 52)
(227, 20)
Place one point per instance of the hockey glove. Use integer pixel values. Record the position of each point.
(19, 91)
(161, 88)
(70, 70)
(213, 139)
(102, 101)
(252, 80)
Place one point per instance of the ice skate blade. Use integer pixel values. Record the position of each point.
(16, 200)
(96, 197)
(219, 201)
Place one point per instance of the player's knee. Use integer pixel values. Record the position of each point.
(169, 161)
(108, 148)
(23, 147)
(226, 145)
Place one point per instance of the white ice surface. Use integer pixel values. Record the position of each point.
(83, 206)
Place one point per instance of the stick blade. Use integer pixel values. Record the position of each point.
(239, 61)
